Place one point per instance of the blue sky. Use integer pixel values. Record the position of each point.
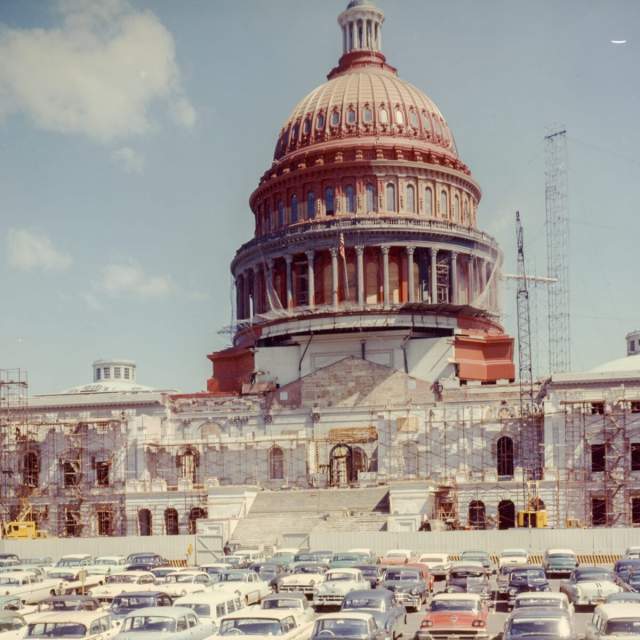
(132, 134)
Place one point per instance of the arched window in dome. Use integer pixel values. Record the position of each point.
(391, 197)
(294, 208)
(465, 210)
(428, 202)
(384, 115)
(444, 204)
(351, 116)
(367, 115)
(371, 198)
(399, 116)
(350, 196)
(267, 217)
(335, 118)
(280, 213)
(296, 132)
(329, 201)
(426, 121)
(413, 119)
(410, 197)
(438, 127)
(306, 126)
(311, 205)
(456, 208)
(320, 122)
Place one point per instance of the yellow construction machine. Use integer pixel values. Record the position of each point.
(24, 527)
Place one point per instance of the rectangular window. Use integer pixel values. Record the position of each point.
(106, 373)
(635, 510)
(116, 372)
(72, 526)
(598, 512)
(126, 373)
(102, 474)
(635, 407)
(71, 474)
(105, 522)
(98, 371)
(597, 457)
(597, 408)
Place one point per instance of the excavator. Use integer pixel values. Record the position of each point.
(24, 527)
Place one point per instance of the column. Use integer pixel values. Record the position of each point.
(352, 25)
(471, 280)
(344, 40)
(289, 261)
(482, 273)
(360, 268)
(454, 277)
(257, 298)
(311, 285)
(247, 294)
(385, 275)
(268, 286)
(334, 276)
(433, 272)
(410, 279)
(239, 298)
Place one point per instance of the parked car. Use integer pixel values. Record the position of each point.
(408, 584)
(69, 603)
(478, 556)
(284, 556)
(264, 622)
(75, 560)
(162, 572)
(74, 580)
(82, 625)
(539, 623)
(180, 583)
(246, 583)
(623, 567)
(559, 561)
(14, 604)
(381, 604)
(249, 556)
(347, 559)
(322, 556)
(548, 600)
(345, 625)
(270, 572)
(124, 582)
(469, 578)
(396, 556)
(171, 623)
(619, 620)
(631, 582)
(632, 552)
(12, 625)
(624, 596)
(106, 565)
(337, 583)
(366, 554)
(211, 606)
(438, 564)
(524, 579)
(144, 561)
(372, 572)
(28, 586)
(513, 556)
(303, 577)
(296, 603)
(589, 586)
(503, 575)
(454, 615)
(7, 559)
(126, 603)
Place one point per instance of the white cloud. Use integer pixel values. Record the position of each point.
(131, 160)
(130, 279)
(28, 250)
(97, 74)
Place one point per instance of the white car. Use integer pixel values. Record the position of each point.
(296, 603)
(181, 583)
(513, 556)
(124, 582)
(211, 606)
(72, 625)
(265, 623)
(249, 555)
(438, 563)
(614, 621)
(632, 553)
(546, 599)
(247, 584)
(303, 578)
(75, 560)
(30, 587)
(74, 580)
(106, 565)
(338, 582)
(12, 626)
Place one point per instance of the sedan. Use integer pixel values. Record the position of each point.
(348, 625)
(524, 579)
(478, 556)
(380, 603)
(408, 585)
(454, 615)
(539, 623)
(172, 623)
(589, 586)
(12, 626)
(372, 572)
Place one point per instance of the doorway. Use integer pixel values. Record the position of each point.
(506, 515)
(340, 465)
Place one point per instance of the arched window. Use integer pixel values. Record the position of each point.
(384, 116)
(426, 122)
(410, 196)
(391, 197)
(171, 527)
(371, 198)
(438, 127)
(444, 204)
(505, 456)
(335, 118)
(187, 464)
(311, 205)
(306, 126)
(196, 513)
(477, 514)
(456, 208)
(350, 195)
(145, 522)
(367, 115)
(413, 119)
(351, 116)
(280, 213)
(399, 116)
(428, 201)
(329, 201)
(31, 469)
(276, 463)
(320, 121)
(296, 131)
(294, 208)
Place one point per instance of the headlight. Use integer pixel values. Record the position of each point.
(512, 591)
(477, 623)
(415, 591)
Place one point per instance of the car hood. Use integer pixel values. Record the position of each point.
(452, 618)
(599, 587)
(529, 582)
(302, 578)
(338, 586)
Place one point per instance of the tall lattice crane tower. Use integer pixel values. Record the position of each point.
(557, 229)
(524, 328)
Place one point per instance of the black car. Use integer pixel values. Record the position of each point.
(381, 604)
(526, 578)
(125, 603)
(631, 581)
(269, 572)
(408, 586)
(372, 572)
(144, 561)
(622, 568)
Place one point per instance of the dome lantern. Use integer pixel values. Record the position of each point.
(361, 24)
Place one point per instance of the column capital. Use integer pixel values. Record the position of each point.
(270, 262)
(288, 258)
(311, 254)
(454, 255)
(410, 249)
(255, 268)
(385, 249)
(359, 249)
(434, 253)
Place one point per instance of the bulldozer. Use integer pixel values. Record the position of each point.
(24, 527)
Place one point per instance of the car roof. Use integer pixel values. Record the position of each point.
(296, 595)
(435, 554)
(541, 595)
(466, 564)
(206, 597)
(619, 610)
(72, 615)
(351, 570)
(134, 594)
(568, 551)
(160, 611)
(251, 612)
(457, 596)
(19, 574)
(356, 550)
(73, 556)
(135, 574)
(110, 558)
(524, 567)
(399, 551)
(344, 615)
(188, 572)
(506, 552)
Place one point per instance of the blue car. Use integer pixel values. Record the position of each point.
(171, 623)
(126, 603)
(381, 604)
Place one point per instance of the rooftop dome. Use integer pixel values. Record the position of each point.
(111, 376)
(621, 365)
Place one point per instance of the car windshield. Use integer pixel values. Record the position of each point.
(393, 574)
(374, 604)
(589, 576)
(336, 575)
(56, 630)
(234, 576)
(528, 574)
(308, 568)
(132, 602)
(514, 553)
(107, 561)
(562, 556)
(547, 603)
(431, 559)
(346, 557)
(203, 610)
(251, 627)
(474, 557)
(149, 623)
(625, 625)
(634, 578)
(341, 627)
(9, 580)
(281, 603)
(554, 627)
(67, 576)
(305, 556)
(71, 562)
(453, 605)
(121, 579)
(467, 573)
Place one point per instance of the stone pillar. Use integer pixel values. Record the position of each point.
(268, 285)
(311, 283)
(239, 297)
(482, 276)
(360, 268)
(247, 293)
(433, 272)
(334, 277)
(454, 277)
(410, 279)
(257, 298)
(385, 275)
(289, 261)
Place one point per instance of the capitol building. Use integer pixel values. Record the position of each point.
(367, 354)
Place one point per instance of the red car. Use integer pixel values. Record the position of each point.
(452, 615)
